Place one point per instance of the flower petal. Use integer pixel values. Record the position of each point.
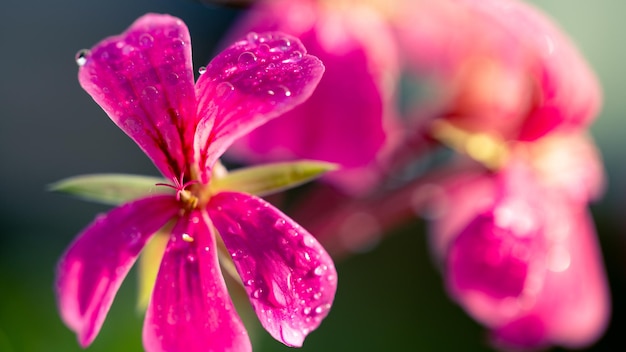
(358, 50)
(290, 278)
(190, 309)
(93, 268)
(143, 79)
(572, 309)
(249, 83)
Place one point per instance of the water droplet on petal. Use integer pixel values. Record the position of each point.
(150, 92)
(252, 37)
(249, 282)
(202, 70)
(191, 258)
(224, 89)
(172, 78)
(291, 336)
(285, 43)
(172, 317)
(146, 40)
(279, 91)
(280, 223)
(277, 296)
(321, 309)
(264, 48)
(319, 271)
(257, 293)
(81, 56)
(246, 59)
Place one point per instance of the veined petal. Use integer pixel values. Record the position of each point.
(143, 79)
(358, 50)
(572, 308)
(249, 83)
(93, 268)
(290, 278)
(190, 309)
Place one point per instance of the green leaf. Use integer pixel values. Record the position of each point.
(271, 178)
(113, 189)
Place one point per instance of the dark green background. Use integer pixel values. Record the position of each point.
(390, 299)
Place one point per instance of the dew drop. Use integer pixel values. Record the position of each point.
(280, 223)
(246, 59)
(127, 49)
(252, 37)
(257, 293)
(172, 78)
(172, 317)
(303, 260)
(319, 271)
(317, 295)
(202, 70)
(207, 249)
(249, 282)
(81, 56)
(264, 48)
(146, 40)
(191, 258)
(321, 309)
(285, 43)
(224, 89)
(279, 91)
(277, 297)
(296, 54)
(150, 92)
(291, 336)
(307, 310)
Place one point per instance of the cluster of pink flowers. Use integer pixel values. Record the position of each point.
(493, 82)
(511, 96)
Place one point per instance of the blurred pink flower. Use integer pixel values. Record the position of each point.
(520, 254)
(143, 79)
(350, 119)
(503, 67)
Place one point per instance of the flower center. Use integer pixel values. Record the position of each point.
(189, 200)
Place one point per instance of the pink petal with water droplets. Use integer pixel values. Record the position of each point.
(143, 79)
(358, 51)
(191, 309)
(93, 268)
(254, 80)
(572, 308)
(290, 278)
(489, 259)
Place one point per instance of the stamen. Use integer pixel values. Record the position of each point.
(189, 200)
(187, 238)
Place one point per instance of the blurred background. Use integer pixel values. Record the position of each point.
(390, 298)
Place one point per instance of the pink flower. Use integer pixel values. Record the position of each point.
(143, 79)
(349, 119)
(520, 253)
(505, 68)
